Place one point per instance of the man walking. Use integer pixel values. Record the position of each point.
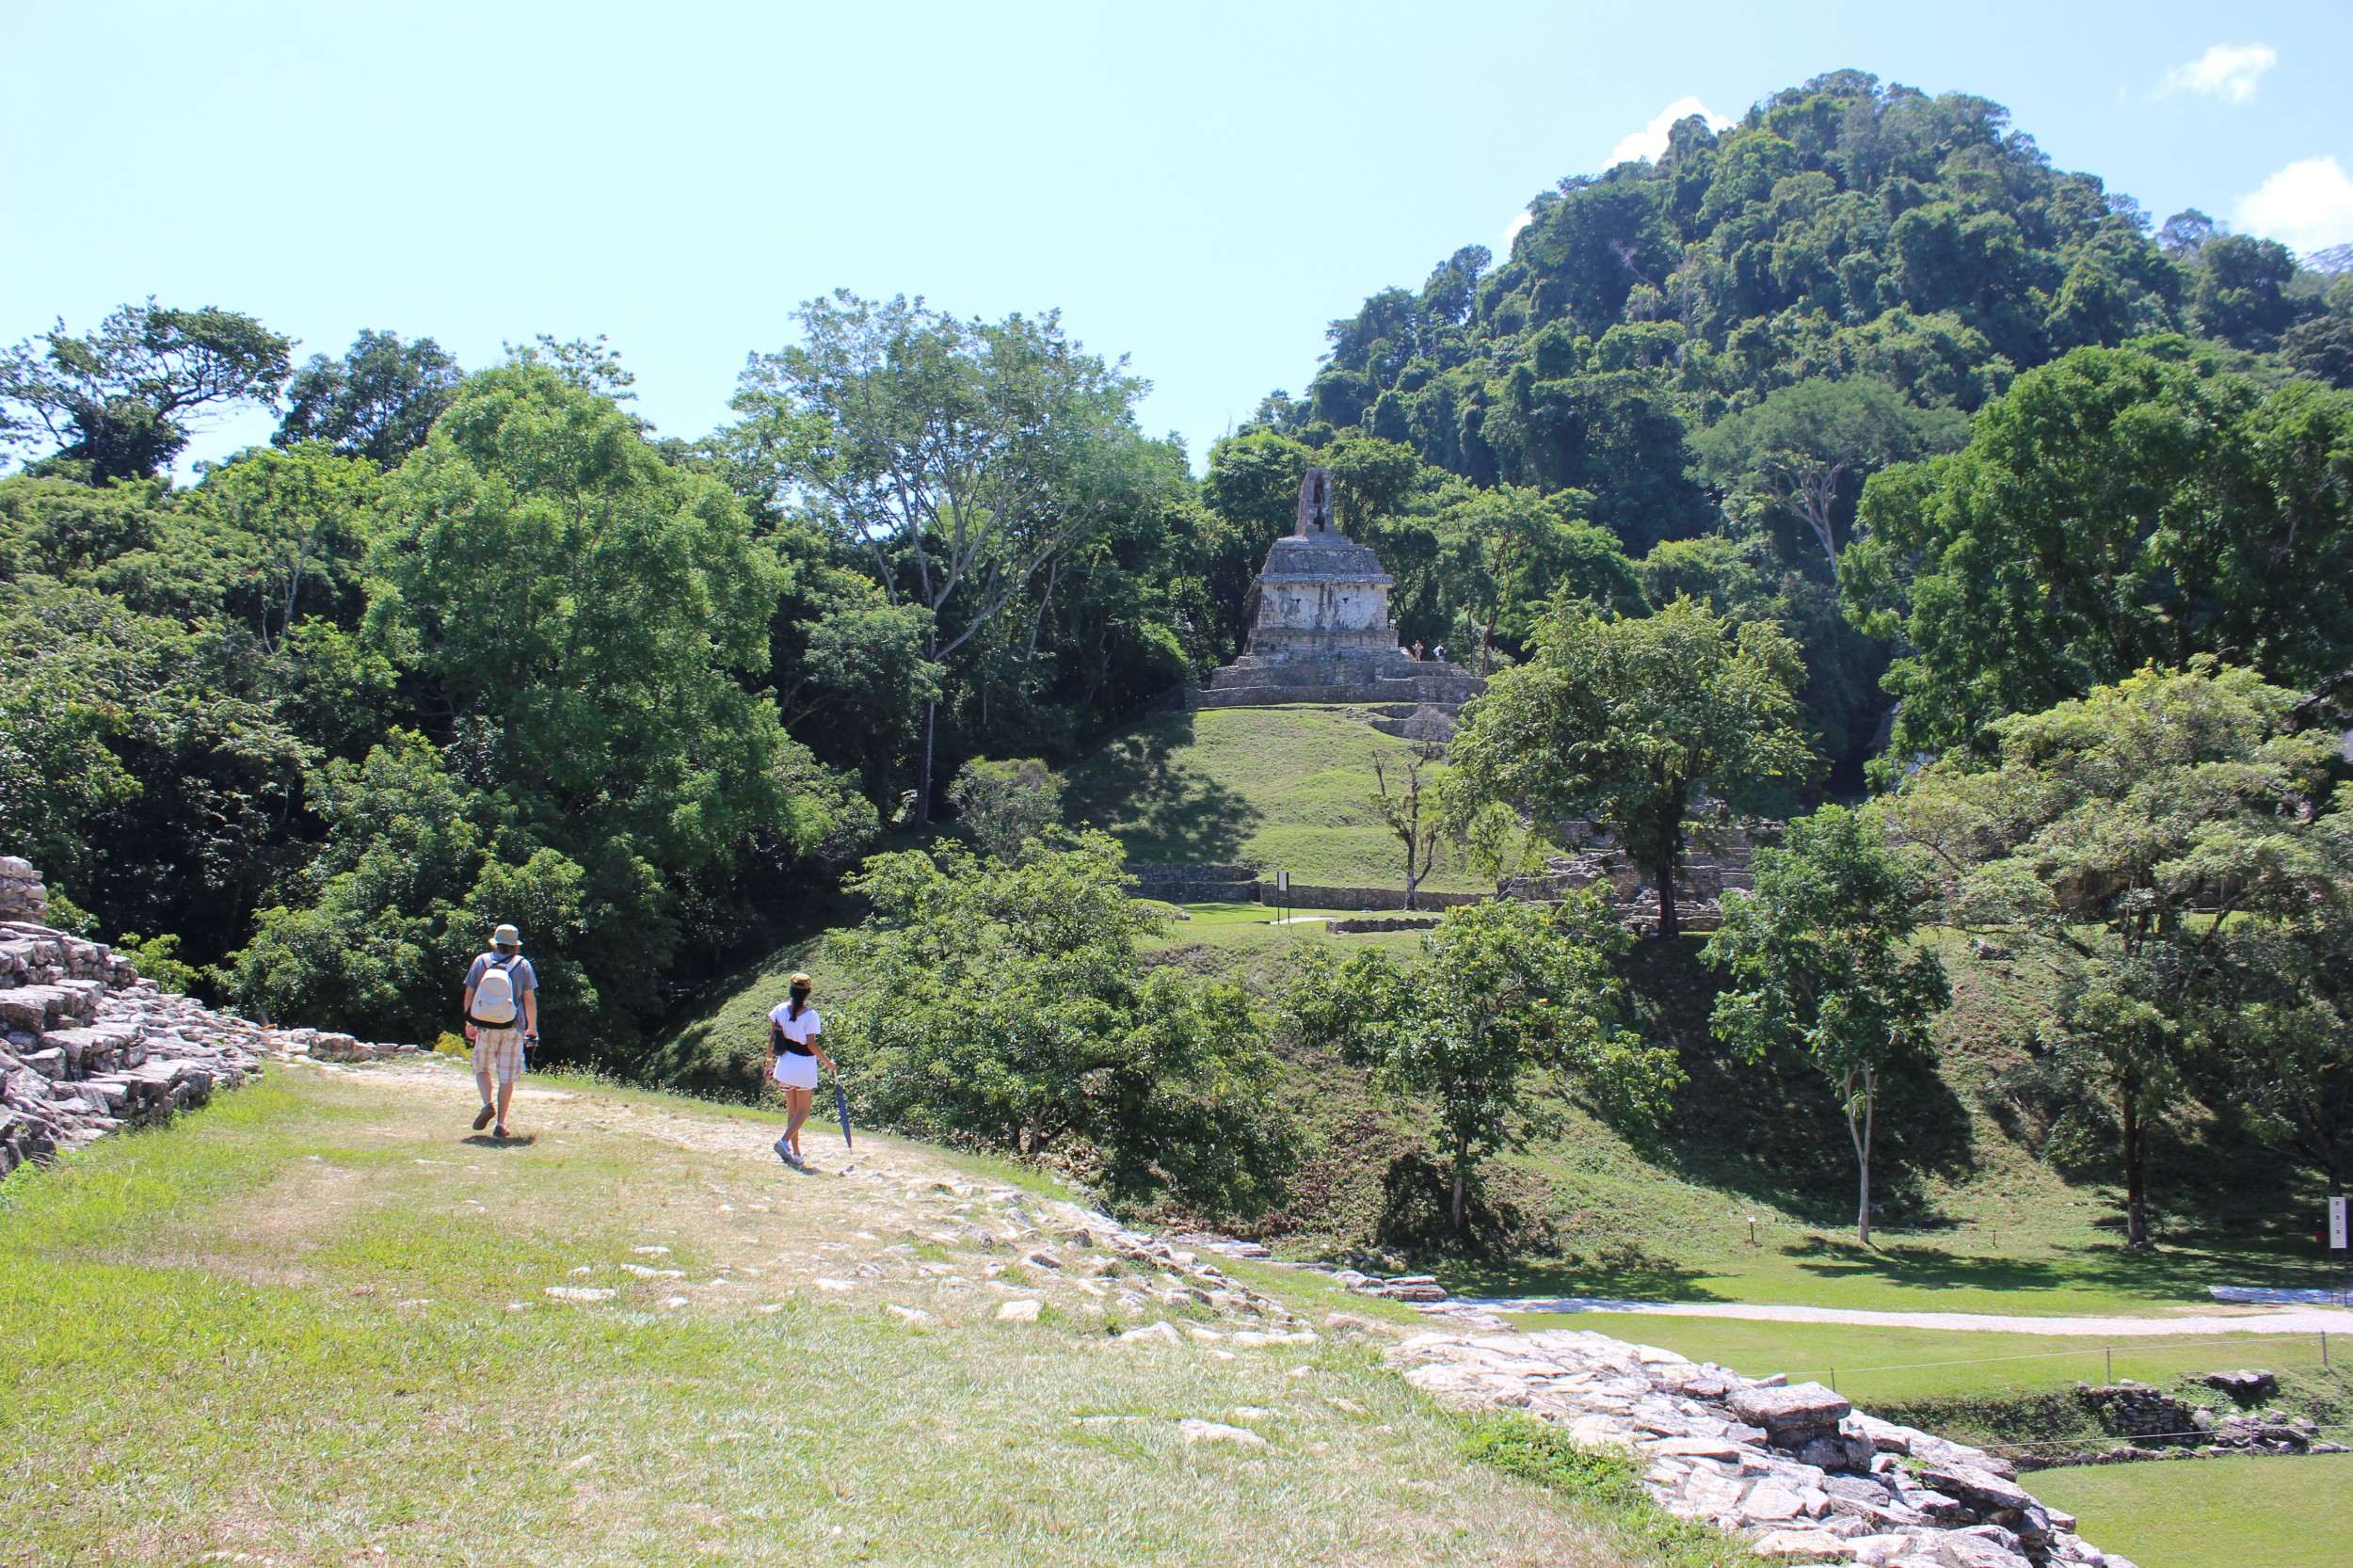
(501, 991)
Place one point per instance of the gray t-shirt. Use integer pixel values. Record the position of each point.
(519, 973)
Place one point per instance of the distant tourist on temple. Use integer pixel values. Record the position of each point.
(1417, 651)
(1439, 653)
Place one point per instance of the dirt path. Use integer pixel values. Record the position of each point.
(885, 1221)
(2306, 1321)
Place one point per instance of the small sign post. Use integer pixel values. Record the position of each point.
(1282, 902)
(2340, 1225)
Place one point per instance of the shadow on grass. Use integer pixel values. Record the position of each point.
(1162, 812)
(1771, 1130)
(2176, 1274)
(1623, 1271)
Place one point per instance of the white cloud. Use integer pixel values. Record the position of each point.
(2307, 206)
(2227, 71)
(1650, 143)
(1511, 230)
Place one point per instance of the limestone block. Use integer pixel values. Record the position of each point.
(1799, 1407)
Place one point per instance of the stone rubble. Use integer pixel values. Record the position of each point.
(1793, 1468)
(87, 1047)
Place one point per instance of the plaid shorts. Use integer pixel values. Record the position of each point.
(499, 1052)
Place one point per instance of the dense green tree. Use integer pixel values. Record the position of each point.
(271, 538)
(964, 459)
(2135, 840)
(1504, 553)
(144, 763)
(118, 401)
(2321, 347)
(579, 617)
(1508, 990)
(1003, 1004)
(1819, 959)
(2239, 290)
(377, 402)
(2274, 1027)
(2118, 507)
(418, 866)
(1651, 726)
(1807, 448)
(1007, 805)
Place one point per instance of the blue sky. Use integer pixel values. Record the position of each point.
(1201, 187)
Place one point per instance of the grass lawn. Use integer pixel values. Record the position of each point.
(2278, 1513)
(1281, 789)
(2091, 1278)
(314, 1324)
(1879, 1366)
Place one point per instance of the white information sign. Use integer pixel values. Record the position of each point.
(2338, 1224)
(1282, 882)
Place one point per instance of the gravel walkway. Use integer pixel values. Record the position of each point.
(2253, 1322)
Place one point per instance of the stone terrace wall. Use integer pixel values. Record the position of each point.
(87, 1047)
(1304, 896)
(1798, 1471)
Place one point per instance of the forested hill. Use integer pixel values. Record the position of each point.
(1842, 228)
(1722, 346)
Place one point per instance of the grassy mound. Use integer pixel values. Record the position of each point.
(1280, 789)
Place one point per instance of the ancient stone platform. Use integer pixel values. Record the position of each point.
(1321, 630)
(87, 1047)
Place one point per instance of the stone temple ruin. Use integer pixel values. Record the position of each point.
(1321, 630)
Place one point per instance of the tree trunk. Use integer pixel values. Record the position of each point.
(1861, 1136)
(2136, 1199)
(1667, 859)
(924, 769)
(1462, 1184)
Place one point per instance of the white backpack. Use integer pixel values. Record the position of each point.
(494, 996)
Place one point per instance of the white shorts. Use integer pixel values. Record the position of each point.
(797, 1072)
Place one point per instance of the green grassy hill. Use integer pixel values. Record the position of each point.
(1280, 789)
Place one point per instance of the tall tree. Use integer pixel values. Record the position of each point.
(2133, 842)
(1806, 449)
(1650, 725)
(377, 402)
(120, 399)
(285, 530)
(1820, 958)
(2118, 506)
(1412, 814)
(962, 458)
(579, 618)
(1509, 989)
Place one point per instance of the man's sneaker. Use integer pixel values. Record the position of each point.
(483, 1120)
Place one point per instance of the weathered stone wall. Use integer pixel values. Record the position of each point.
(1195, 883)
(22, 895)
(87, 1047)
(1795, 1469)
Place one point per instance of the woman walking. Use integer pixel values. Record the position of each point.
(794, 1057)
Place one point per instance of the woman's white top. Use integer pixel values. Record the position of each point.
(802, 1030)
